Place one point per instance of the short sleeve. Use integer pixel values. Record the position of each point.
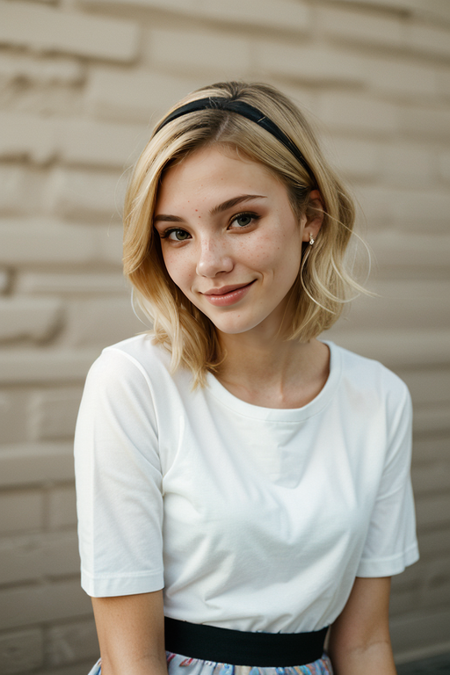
(118, 480)
(391, 542)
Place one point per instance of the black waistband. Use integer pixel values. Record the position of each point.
(242, 648)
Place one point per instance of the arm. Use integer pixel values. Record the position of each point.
(130, 632)
(359, 638)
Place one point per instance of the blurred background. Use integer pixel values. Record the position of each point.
(82, 82)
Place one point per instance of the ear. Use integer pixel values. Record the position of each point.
(314, 215)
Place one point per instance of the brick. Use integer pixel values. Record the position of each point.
(101, 144)
(36, 319)
(44, 602)
(5, 280)
(444, 82)
(47, 100)
(185, 7)
(403, 602)
(407, 164)
(406, 209)
(71, 284)
(419, 633)
(20, 511)
(399, 304)
(184, 50)
(137, 96)
(60, 554)
(411, 578)
(426, 121)
(80, 668)
(434, 542)
(433, 449)
(21, 559)
(29, 463)
(72, 641)
(45, 29)
(429, 39)
(110, 244)
(53, 412)
(360, 27)
(444, 165)
(26, 136)
(354, 113)
(357, 159)
(432, 420)
(23, 135)
(397, 348)
(21, 651)
(42, 70)
(430, 385)
(62, 507)
(41, 241)
(303, 96)
(284, 14)
(87, 194)
(13, 416)
(401, 78)
(101, 322)
(26, 366)
(414, 256)
(437, 582)
(17, 181)
(316, 65)
(32, 558)
(374, 206)
(433, 511)
(431, 477)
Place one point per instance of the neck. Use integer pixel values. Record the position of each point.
(260, 368)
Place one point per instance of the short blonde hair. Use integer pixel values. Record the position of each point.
(321, 289)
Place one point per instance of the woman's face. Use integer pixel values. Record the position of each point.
(229, 239)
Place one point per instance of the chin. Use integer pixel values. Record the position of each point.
(236, 326)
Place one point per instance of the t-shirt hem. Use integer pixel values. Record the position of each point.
(388, 566)
(111, 586)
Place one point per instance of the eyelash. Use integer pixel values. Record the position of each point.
(253, 216)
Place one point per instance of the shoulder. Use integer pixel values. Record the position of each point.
(130, 370)
(124, 360)
(368, 377)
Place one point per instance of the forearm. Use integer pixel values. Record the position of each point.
(133, 666)
(373, 659)
(130, 632)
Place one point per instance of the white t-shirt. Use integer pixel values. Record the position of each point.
(250, 518)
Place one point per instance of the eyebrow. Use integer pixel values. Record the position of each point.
(213, 212)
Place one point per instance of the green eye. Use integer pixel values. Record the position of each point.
(243, 219)
(179, 235)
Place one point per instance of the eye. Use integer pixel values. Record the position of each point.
(175, 235)
(245, 219)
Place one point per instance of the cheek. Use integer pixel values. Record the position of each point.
(179, 268)
(280, 255)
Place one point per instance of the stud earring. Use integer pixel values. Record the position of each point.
(311, 240)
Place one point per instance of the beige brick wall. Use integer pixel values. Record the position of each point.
(81, 83)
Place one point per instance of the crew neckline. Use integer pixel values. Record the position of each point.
(315, 406)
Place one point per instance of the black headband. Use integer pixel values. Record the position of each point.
(244, 109)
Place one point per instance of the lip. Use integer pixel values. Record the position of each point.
(227, 295)
(226, 289)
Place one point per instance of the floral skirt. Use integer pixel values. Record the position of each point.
(182, 665)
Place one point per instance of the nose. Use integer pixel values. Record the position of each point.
(213, 258)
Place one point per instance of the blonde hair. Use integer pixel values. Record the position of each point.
(321, 289)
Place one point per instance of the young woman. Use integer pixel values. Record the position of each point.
(243, 487)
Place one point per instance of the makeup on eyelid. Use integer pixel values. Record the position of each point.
(246, 214)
